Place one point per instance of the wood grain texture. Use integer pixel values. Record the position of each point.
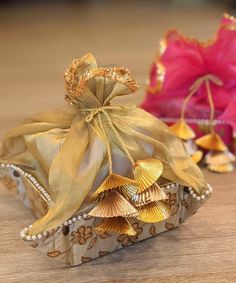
(36, 44)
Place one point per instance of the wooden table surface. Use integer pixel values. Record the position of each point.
(36, 44)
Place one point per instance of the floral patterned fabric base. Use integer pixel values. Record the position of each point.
(79, 242)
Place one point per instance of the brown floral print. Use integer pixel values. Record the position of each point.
(127, 240)
(82, 235)
(171, 199)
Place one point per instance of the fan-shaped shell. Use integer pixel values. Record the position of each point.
(113, 181)
(118, 225)
(197, 156)
(146, 172)
(152, 194)
(128, 191)
(211, 142)
(154, 212)
(113, 205)
(218, 158)
(182, 130)
(223, 168)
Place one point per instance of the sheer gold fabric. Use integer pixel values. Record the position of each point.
(66, 151)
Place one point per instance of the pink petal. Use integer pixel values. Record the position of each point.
(220, 58)
(183, 62)
(229, 114)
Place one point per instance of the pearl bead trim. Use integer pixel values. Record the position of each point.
(207, 193)
(25, 236)
(35, 183)
(194, 121)
(24, 233)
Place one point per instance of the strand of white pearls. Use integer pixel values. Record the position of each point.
(36, 184)
(24, 234)
(171, 186)
(194, 121)
(203, 196)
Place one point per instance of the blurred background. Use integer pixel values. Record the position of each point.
(38, 39)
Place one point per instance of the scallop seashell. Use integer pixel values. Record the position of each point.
(113, 205)
(118, 225)
(218, 158)
(211, 142)
(223, 168)
(146, 172)
(182, 130)
(154, 212)
(113, 181)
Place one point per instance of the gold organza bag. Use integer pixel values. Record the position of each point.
(98, 176)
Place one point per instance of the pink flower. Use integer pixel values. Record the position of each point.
(182, 62)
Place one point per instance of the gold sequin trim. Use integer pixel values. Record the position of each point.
(76, 83)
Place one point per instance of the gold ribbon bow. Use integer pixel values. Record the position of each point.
(94, 111)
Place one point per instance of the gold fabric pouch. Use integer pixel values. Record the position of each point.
(114, 166)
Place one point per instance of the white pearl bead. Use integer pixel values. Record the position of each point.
(203, 197)
(26, 229)
(70, 221)
(198, 198)
(85, 216)
(79, 217)
(74, 219)
(172, 186)
(207, 192)
(45, 233)
(28, 238)
(194, 195)
(66, 223)
(168, 187)
(39, 236)
(34, 237)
